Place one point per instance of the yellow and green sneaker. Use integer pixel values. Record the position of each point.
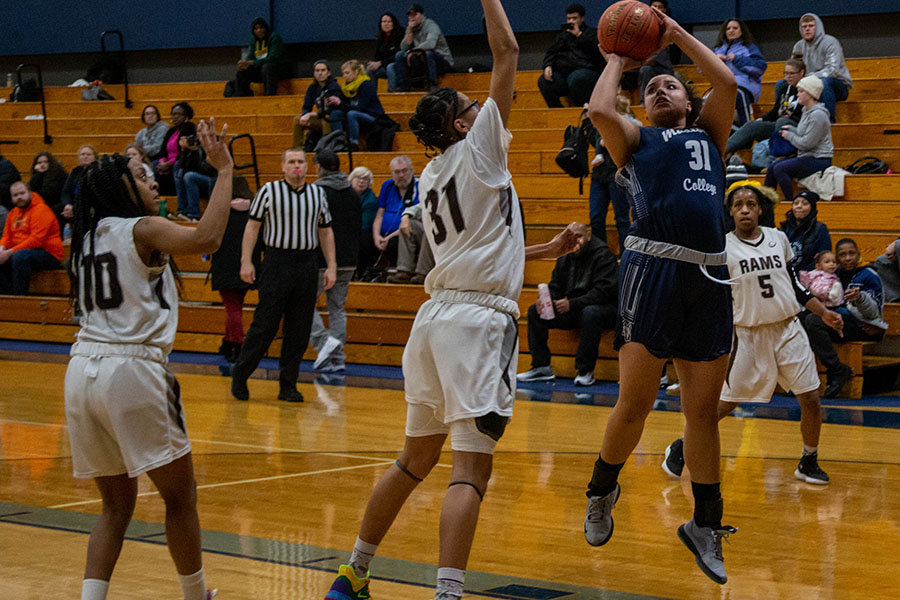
(347, 586)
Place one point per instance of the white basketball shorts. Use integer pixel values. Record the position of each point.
(766, 354)
(124, 416)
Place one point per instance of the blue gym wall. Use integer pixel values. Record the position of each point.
(58, 27)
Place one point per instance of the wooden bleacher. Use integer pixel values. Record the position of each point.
(379, 322)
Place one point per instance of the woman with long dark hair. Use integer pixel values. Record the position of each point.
(123, 405)
(48, 177)
(734, 46)
(387, 44)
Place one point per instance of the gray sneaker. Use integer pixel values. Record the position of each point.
(706, 544)
(674, 461)
(331, 345)
(537, 374)
(598, 521)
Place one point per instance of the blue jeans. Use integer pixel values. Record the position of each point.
(398, 71)
(833, 91)
(379, 72)
(784, 171)
(15, 274)
(602, 193)
(194, 186)
(354, 119)
(577, 85)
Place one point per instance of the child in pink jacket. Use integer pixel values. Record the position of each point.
(822, 282)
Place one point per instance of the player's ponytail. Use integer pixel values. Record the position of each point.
(433, 122)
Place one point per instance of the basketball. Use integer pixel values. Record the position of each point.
(629, 28)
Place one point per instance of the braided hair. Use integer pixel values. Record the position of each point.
(102, 192)
(433, 122)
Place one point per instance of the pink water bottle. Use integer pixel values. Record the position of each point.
(545, 304)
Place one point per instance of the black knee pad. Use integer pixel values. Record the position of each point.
(492, 425)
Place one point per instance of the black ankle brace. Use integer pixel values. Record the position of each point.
(469, 483)
(406, 471)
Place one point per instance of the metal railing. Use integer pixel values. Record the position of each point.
(48, 139)
(253, 164)
(116, 32)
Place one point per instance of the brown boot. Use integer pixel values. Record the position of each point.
(400, 277)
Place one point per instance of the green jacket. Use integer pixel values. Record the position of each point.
(275, 53)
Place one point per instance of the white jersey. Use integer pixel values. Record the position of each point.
(123, 301)
(766, 289)
(472, 215)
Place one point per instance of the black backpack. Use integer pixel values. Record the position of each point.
(573, 157)
(27, 92)
(867, 165)
(381, 134)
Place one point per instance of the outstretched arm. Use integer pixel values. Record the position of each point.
(563, 243)
(717, 113)
(505, 50)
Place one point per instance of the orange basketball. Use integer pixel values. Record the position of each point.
(629, 28)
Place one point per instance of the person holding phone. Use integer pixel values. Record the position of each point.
(862, 311)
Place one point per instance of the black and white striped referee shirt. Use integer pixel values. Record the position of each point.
(291, 217)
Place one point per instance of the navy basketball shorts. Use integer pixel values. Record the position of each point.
(672, 309)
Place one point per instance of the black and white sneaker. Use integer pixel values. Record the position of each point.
(537, 374)
(706, 544)
(673, 464)
(809, 471)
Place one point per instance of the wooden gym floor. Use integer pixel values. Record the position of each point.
(282, 489)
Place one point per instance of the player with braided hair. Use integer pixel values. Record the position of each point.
(460, 361)
(123, 405)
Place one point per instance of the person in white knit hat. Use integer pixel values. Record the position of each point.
(811, 137)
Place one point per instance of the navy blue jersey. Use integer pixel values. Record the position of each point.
(675, 183)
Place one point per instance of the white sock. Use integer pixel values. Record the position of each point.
(450, 583)
(809, 449)
(94, 589)
(363, 552)
(193, 587)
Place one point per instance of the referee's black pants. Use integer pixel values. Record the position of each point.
(287, 288)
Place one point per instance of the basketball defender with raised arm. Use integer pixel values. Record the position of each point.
(460, 360)
(670, 304)
(123, 405)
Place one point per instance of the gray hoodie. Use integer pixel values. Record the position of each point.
(812, 135)
(823, 56)
(429, 37)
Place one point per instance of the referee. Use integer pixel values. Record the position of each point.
(296, 221)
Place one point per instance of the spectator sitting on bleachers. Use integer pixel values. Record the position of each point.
(387, 45)
(48, 177)
(822, 282)
(736, 49)
(423, 37)
(358, 100)
(786, 111)
(573, 63)
(137, 152)
(151, 136)
(9, 174)
(808, 236)
(414, 255)
(343, 204)
(263, 61)
(87, 154)
(31, 240)
(811, 137)
(198, 178)
(823, 56)
(225, 269)
(396, 195)
(310, 125)
(361, 180)
(888, 269)
(584, 290)
(168, 173)
(862, 312)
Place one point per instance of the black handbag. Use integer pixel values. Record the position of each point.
(867, 165)
(573, 156)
